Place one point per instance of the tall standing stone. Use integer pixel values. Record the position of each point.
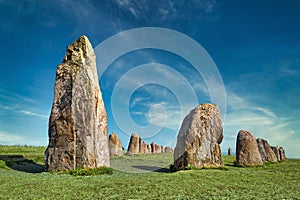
(247, 152)
(134, 144)
(229, 151)
(78, 123)
(199, 139)
(115, 145)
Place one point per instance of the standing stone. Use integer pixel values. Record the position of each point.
(199, 139)
(77, 123)
(247, 152)
(265, 151)
(168, 150)
(282, 153)
(149, 148)
(276, 152)
(134, 144)
(162, 149)
(115, 145)
(229, 151)
(143, 148)
(155, 148)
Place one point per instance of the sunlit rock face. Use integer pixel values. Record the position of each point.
(199, 139)
(247, 152)
(134, 144)
(155, 148)
(77, 123)
(115, 145)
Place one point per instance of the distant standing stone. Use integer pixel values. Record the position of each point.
(199, 139)
(276, 152)
(149, 148)
(143, 149)
(265, 151)
(168, 150)
(282, 153)
(115, 145)
(162, 149)
(155, 148)
(229, 151)
(247, 152)
(279, 153)
(78, 124)
(134, 144)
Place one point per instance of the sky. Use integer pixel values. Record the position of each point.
(254, 47)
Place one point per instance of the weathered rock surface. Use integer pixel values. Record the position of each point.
(115, 145)
(199, 139)
(276, 152)
(229, 151)
(78, 123)
(247, 152)
(265, 150)
(279, 153)
(168, 149)
(155, 148)
(282, 153)
(143, 149)
(134, 144)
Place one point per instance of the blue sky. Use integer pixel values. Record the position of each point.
(254, 44)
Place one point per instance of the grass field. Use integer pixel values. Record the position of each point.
(21, 177)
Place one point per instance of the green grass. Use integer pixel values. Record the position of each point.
(271, 181)
(86, 171)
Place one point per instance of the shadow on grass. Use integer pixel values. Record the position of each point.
(152, 168)
(19, 163)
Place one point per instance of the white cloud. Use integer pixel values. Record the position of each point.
(14, 97)
(7, 138)
(26, 112)
(12, 102)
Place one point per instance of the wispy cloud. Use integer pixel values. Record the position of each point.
(11, 96)
(261, 121)
(26, 112)
(17, 104)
